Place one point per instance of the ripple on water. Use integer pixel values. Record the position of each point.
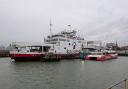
(66, 74)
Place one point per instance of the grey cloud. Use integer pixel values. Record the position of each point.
(28, 20)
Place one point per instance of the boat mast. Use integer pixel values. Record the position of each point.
(69, 27)
(50, 24)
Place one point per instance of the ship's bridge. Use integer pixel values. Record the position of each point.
(64, 36)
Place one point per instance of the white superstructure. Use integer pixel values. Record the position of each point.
(65, 42)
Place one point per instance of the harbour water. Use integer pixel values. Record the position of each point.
(65, 74)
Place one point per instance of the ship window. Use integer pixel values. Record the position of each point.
(58, 36)
(64, 47)
(54, 40)
(62, 39)
(79, 41)
(46, 48)
(47, 40)
(69, 44)
(35, 48)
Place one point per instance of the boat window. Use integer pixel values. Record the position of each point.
(58, 36)
(54, 40)
(96, 53)
(62, 39)
(35, 48)
(46, 48)
(79, 41)
(47, 40)
(111, 52)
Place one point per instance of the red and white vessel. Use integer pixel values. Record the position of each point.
(98, 56)
(29, 52)
(65, 44)
(113, 54)
(102, 55)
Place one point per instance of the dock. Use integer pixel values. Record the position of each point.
(123, 53)
(4, 53)
(50, 57)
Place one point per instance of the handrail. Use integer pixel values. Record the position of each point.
(125, 84)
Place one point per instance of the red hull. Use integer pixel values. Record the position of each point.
(26, 57)
(37, 57)
(103, 58)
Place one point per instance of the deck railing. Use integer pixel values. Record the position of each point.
(121, 85)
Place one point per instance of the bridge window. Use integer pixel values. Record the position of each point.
(62, 39)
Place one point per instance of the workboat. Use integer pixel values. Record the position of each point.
(29, 52)
(98, 56)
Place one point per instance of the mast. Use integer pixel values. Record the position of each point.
(50, 24)
(69, 27)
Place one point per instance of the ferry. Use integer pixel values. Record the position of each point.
(65, 45)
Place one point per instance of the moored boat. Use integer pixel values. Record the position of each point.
(113, 54)
(65, 44)
(29, 53)
(98, 56)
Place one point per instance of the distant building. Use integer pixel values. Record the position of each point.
(2, 47)
(3, 52)
(94, 44)
(112, 45)
(124, 47)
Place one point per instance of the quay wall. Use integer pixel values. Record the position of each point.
(4, 53)
(123, 53)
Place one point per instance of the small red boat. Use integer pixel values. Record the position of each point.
(113, 54)
(27, 53)
(98, 56)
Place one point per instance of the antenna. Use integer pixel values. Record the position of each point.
(50, 24)
(69, 27)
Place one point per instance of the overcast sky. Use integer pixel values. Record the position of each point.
(28, 20)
